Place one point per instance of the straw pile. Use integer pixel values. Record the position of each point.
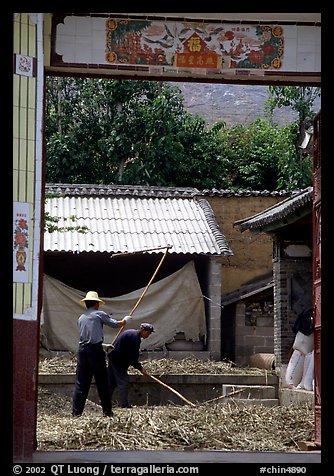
(208, 426)
(67, 364)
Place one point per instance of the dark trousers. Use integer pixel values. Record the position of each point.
(91, 361)
(119, 378)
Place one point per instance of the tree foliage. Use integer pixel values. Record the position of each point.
(139, 133)
(133, 132)
(295, 170)
(51, 223)
(298, 98)
(262, 156)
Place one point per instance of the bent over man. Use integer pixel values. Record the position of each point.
(124, 354)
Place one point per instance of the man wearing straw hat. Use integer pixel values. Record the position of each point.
(91, 360)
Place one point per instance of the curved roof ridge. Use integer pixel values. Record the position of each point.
(298, 200)
(154, 191)
(212, 222)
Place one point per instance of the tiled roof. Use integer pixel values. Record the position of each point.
(128, 219)
(89, 190)
(248, 290)
(286, 211)
(244, 193)
(157, 192)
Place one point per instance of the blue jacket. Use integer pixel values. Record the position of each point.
(91, 323)
(126, 350)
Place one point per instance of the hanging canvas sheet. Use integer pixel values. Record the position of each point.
(173, 304)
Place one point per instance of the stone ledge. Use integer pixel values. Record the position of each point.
(143, 391)
(289, 396)
(183, 379)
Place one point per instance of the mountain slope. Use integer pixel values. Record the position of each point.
(232, 103)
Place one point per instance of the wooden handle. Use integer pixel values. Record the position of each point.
(171, 389)
(144, 292)
(127, 253)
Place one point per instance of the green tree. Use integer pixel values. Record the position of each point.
(139, 133)
(298, 98)
(295, 170)
(88, 128)
(134, 132)
(262, 156)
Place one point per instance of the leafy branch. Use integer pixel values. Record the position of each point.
(51, 222)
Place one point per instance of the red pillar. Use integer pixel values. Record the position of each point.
(25, 372)
(317, 273)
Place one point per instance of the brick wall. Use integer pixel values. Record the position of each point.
(252, 337)
(214, 309)
(293, 293)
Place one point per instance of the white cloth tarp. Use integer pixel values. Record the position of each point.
(173, 304)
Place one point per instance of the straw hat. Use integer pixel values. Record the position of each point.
(92, 296)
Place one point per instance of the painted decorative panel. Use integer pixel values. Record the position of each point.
(210, 46)
(24, 65)
(175, 47)
(21, 242)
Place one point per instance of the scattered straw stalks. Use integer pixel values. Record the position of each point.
(231, 426)
(207, 426)
(66, 364)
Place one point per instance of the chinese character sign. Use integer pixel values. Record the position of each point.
(21, 242)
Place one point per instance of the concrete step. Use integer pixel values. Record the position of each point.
(266, 402)
(249, 391)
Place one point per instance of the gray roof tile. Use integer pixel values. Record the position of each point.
(128, 219)
(298, 204)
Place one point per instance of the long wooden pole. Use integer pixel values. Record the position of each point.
(171, 389)
(224, 396)
(127, 253)
(144, 292)
(149, 283)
